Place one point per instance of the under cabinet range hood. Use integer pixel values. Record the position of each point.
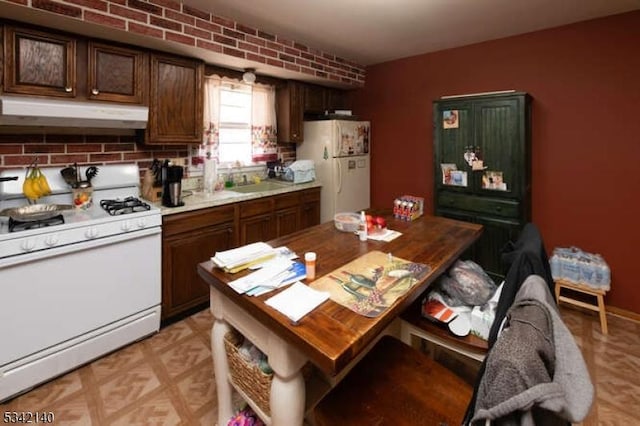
(27, 111)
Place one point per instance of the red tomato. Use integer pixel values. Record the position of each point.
(382, 223)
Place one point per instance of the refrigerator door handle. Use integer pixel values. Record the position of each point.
(339, 167)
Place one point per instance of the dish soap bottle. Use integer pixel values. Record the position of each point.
(362, 227)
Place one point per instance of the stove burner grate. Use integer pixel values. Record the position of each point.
(124, 206)
(16, 225)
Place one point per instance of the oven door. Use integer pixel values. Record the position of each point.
(53, 298)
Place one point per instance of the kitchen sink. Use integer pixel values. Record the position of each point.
(259, 187)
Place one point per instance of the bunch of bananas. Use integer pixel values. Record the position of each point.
(35, 184)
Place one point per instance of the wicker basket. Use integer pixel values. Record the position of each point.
(254, 382)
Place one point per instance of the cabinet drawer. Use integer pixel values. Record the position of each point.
(254, 207)
(287, 200)
(471, 203)
(183, 222)
(311, 195)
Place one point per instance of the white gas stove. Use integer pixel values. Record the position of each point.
(79, 286)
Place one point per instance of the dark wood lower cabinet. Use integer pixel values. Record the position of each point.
(257, 228)
(267, 218)
(189, 239)
(193, 237)
(496, 234)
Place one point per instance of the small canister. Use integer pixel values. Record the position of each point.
(310, 265)
(82, 195)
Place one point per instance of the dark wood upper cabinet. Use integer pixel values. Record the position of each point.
(117, 74)
(337, 99)
(176, 100)
(319, 99)
(290, 113)
(39, 63)
(315, 98)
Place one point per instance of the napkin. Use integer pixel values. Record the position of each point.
(297, 301)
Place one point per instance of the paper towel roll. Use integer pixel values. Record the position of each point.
(210, 175)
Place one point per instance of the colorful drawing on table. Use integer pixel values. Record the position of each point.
(372, 282)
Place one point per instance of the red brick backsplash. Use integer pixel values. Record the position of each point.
(177, 23)
(18, 151)
(61, 150)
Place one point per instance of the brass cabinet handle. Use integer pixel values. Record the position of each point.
(68, 89)
(95, 91)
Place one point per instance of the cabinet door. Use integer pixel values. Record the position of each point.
(488, 249)
(182, 287)
(500, 137)
(314, 98)
(310, 209)
(286, 221)
(451, 142)
(337, 99)
(289, 110)
(117, 74)
(257, 228)
(175, 103)
(39, 63)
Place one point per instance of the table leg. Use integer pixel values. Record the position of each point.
(287, 400)
(221, 371)
(288, 393)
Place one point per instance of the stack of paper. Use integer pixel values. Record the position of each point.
(297, 301)
(275, 274)
(240, 258)
(296, 272)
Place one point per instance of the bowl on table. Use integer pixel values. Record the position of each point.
(346, 222)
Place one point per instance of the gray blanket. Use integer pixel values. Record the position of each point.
(535, 373)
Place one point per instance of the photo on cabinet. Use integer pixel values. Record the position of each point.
(447, 168)
(458, 178)
(450, 119)
(493, 180)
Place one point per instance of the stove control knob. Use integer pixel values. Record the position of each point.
(142, 223)
(51, 240)
(91, 233)
(126, 226)
(28, 245)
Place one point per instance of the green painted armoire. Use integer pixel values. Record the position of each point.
(482, 150)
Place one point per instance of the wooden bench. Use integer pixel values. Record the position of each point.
(590, 291)
(397, 385)
(413, 324)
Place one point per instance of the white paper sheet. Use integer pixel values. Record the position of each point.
(387, 235)
(297, 301)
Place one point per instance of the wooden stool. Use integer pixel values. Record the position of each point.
(582, 288)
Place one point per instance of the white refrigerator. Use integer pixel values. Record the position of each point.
(340, 151)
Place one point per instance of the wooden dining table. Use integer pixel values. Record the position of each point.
(331, 337)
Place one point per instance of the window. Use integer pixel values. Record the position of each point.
(240, 121)
(235, 125)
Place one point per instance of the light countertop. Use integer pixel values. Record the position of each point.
(201, 200)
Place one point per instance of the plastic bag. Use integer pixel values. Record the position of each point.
(469, 284)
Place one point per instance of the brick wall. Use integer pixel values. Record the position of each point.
(174, 22)
(61, 150)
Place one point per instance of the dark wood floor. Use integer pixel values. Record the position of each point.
(167, 379)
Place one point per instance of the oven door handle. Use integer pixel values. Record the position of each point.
(75, 247)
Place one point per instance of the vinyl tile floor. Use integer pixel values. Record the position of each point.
(167, 379)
